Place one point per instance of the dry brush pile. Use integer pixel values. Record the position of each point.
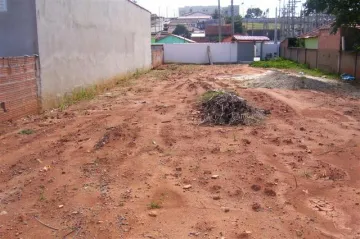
(219, 107)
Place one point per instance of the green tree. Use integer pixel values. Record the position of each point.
(215, 14)
(346, 12)
(237, 24)
(181, 30)
(254, 13)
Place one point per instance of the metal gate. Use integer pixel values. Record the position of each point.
(245, 52)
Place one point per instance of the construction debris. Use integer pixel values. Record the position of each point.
(227, 108)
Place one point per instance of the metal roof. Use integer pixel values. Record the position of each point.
(158, 38)
(198, 34)
(312, 34)
(196, 15)
(250, 38)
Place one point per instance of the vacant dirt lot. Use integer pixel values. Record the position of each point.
(135, 163)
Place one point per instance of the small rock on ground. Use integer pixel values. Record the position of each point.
(153, 214)
(270, 192)
(256, 187)
(217, 197)
(3, 213)
(256, 207)
(225, 209)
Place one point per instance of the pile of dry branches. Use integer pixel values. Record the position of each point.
(227, 108)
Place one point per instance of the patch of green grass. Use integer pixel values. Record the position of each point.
(259, 25)
(208, 95)
(78, 95)
(154, 205)
(26, 131)
(281, 63)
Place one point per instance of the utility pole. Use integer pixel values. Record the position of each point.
(252, 27)
(232, 17)
(280, 22)
(159, 19)
(275, 33)
(219, 16)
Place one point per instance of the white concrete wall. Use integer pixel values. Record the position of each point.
(196, 53)
(82, 42)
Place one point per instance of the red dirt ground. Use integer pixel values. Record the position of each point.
(95, 169)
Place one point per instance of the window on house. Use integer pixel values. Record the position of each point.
(3, 5)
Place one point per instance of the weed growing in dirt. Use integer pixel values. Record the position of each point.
(307, 174)
(42, 196)
(154, 205)
(173, 67)
(166, 72)
(210, 94)
(235, 139)
(77, 96)
(26, 131)
(89, 93)
(160, 74)
(281, 63)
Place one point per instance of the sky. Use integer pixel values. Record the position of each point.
(171, 6)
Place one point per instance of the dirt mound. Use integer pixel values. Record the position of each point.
(227, 108)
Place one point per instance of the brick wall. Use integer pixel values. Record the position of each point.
(329, 41)
(18, 87)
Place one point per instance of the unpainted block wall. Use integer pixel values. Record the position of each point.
(157, 55)
(83, 42)
(301, 56)
(18, 88)
(328, 60)
(358, 68)
(348, 63)
(293, 54)
(311, 58)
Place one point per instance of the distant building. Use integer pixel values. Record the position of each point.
(193, 22)
(158, 24)
(225, 11)
(172, 39)
(196, 16)
(213, 30)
